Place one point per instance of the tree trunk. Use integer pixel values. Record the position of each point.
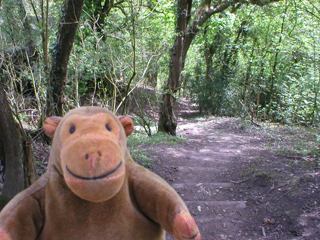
(16, 152)
(186, 32)
(58, 75)
(167, 120)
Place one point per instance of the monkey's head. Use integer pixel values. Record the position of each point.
(89, 147)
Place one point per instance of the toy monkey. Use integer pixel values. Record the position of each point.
(93, 190)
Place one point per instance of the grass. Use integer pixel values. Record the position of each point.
(300, 140)
(139, 141)
(296, 148)
(142, 157)
(140, 138)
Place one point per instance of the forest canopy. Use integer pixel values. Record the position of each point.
(248, 58)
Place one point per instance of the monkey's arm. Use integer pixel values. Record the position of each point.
(160, 202)
(22, 217)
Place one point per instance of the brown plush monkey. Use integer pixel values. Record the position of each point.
(93, 190)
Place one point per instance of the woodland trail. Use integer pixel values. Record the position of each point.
(237, 184)
(202, 171)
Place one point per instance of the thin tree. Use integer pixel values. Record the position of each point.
(60, 58)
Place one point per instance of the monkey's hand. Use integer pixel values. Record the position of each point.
(185, 227)
(4, 235)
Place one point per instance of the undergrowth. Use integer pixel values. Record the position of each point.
(140, 143)
(302, 141)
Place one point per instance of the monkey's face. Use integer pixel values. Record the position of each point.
(91, 156)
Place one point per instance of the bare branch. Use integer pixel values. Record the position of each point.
(262, 3)
(214, 10)
(122, 10)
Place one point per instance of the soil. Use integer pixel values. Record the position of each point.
(241, 181)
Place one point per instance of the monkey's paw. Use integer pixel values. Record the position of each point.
(185, 227)
(4, 235)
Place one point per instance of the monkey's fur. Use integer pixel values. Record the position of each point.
(93, 189)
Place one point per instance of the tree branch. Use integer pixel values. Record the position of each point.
(183, 14)
(262, 3)
(205, 11)
(107, 7)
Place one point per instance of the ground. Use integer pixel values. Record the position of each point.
(241, 181)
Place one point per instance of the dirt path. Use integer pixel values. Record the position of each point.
(231, 197)
(202, 171)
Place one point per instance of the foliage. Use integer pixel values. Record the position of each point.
(109, 63)
(109, 60)
(22, 71)
(210, 84)
(251, 61)
(265, 63)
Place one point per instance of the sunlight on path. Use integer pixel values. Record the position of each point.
(202, 170)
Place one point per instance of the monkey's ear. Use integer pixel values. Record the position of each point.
(50, 125)
(127, 124)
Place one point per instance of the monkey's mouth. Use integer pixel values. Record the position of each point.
(94, 178)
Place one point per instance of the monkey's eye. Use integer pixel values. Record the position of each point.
(108, 127)
(72, 129)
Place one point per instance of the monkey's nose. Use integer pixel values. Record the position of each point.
(94, 160)
(93, 156)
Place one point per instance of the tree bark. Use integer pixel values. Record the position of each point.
(167, 120)
(58, 75)
(16, 153)
(186, 31)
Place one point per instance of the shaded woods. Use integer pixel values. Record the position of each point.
(253, 59)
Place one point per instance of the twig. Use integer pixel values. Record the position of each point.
(274, 188)
(296, 157)
(263, 231)
(249, 113)
(282, 196)
(239, 212)
(241, 181)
